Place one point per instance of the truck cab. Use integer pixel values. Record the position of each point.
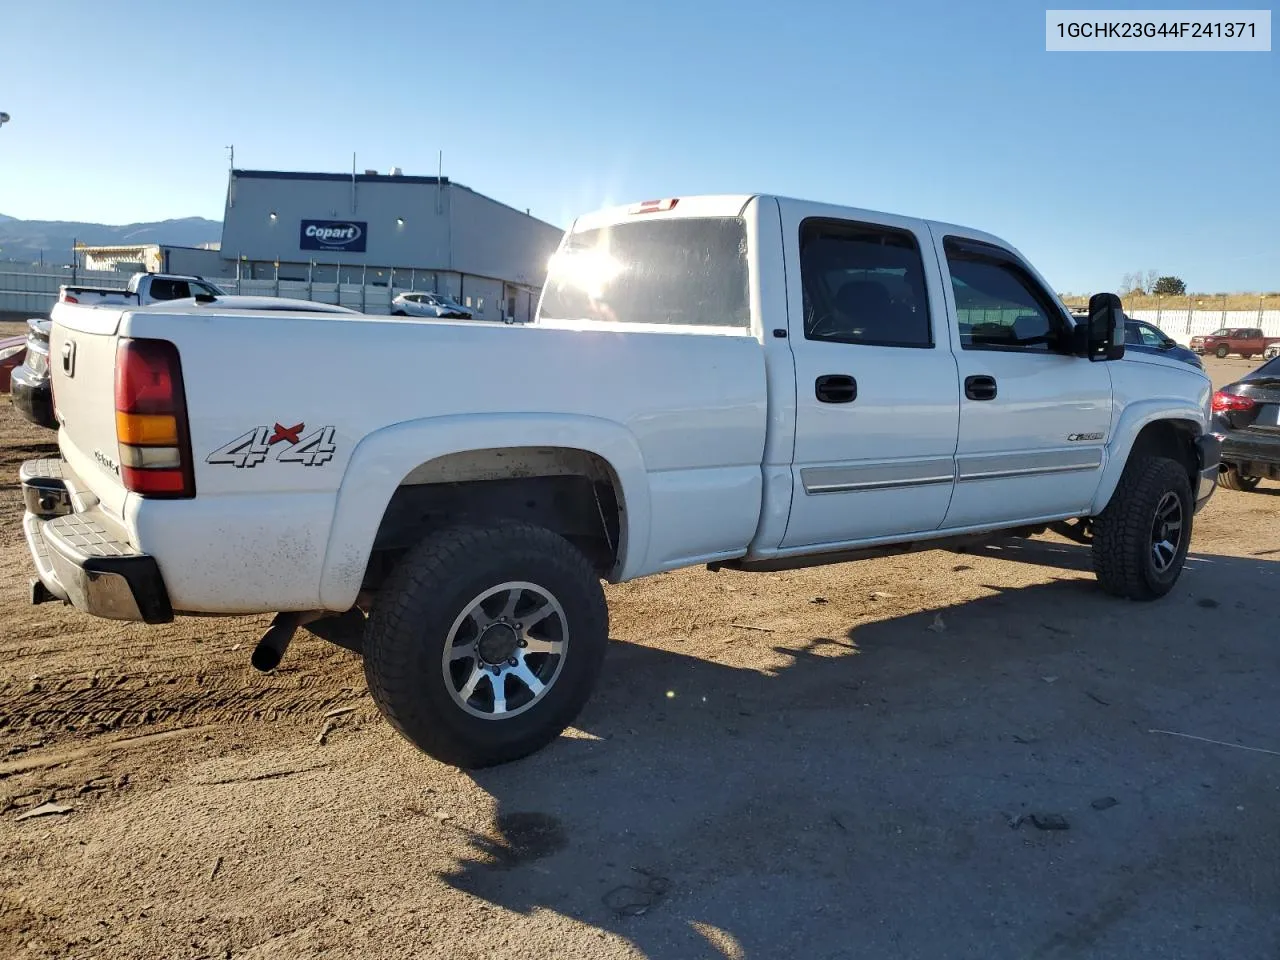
(143, 288)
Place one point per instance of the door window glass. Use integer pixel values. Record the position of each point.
(999, 306)
(1142, 335)
(863, 284)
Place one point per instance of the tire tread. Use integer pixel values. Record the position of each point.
(1121, 532)
(393, 661)
(1232, 479)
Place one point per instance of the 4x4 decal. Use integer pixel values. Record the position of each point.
(280, 443)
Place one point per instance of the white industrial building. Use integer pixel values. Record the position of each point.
(386, 230)
(154, 258)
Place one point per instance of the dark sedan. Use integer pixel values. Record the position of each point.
(1246, 418)
(31, 392)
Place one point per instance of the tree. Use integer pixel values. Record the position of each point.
(1169, 287)
(1150, 285)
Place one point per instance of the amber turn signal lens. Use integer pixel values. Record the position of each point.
(146, 430)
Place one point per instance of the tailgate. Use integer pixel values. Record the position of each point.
(82, 360)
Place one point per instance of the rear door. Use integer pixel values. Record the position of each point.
(1034, 419)
(877, 398)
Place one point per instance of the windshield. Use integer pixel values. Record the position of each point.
(673, 271)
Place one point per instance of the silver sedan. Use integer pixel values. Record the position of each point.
(428, 305)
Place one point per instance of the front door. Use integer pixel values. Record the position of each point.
(877, 399)
(1034, 420)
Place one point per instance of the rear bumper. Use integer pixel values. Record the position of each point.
(1243, 446)
(33, 398)
(1209, 454)
(80, 556)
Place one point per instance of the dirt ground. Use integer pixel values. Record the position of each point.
(852, 761)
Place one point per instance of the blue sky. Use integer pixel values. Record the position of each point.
(1094, 164)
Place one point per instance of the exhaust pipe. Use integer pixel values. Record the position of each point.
(270, 649)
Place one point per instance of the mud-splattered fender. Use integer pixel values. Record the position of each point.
(1135, 416)
(382, 460)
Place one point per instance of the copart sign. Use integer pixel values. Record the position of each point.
(339, 235)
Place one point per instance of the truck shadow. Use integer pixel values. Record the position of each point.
(853, 795)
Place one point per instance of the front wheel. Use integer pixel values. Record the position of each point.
(485, 642)
(1231, 478)
(1222, 351)
(1140, 540)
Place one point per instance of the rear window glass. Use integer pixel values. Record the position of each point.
(672, 271)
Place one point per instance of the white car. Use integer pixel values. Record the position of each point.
(1273, 350)
(428, 305)
(751, 382)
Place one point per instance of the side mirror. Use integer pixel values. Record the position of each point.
(1169, 343)
(1104, 330)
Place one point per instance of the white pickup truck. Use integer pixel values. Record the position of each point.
(739, 381)
(142, 289)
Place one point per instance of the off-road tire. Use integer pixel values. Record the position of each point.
(1122, 547)
(1231, 478)
(1222, 351)
(411, 618)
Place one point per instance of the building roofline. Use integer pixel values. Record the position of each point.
(112, 247)
(340, 177)
(377, 178)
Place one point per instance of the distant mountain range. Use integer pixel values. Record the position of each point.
(26, 241)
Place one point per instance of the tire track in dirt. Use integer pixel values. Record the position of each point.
(105, 702)
(13, 455)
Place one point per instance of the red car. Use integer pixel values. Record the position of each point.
(12, 352)
(1246, 341)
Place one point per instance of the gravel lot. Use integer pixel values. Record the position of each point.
(852, 761)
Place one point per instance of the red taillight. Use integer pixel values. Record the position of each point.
(151, 420)
(655, 206)
(1224, 402)
(68, 298)
(145, 374)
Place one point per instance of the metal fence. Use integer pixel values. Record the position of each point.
(33, 289)
(1182, 325)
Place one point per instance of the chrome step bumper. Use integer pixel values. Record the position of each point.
(80, 555)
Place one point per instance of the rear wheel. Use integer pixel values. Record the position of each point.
(1231, 478)
(1222, 351)
(485, 642)
(1140, 540)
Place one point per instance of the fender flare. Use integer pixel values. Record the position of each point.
(1135, 417)
(382, 459)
